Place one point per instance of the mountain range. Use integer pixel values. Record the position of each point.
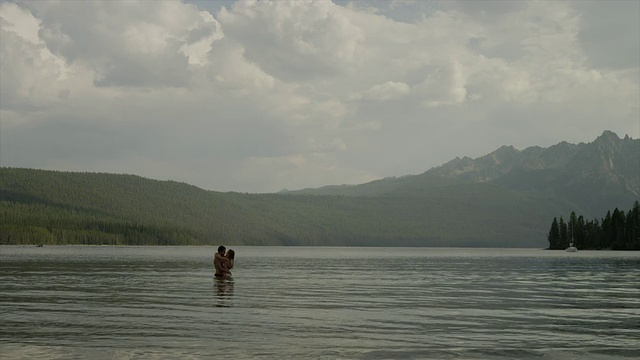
(592, 177)
(507, 198)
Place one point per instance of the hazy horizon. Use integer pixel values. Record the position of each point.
(267, 192)
(261, 96)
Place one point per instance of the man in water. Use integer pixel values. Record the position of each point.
(220, 262)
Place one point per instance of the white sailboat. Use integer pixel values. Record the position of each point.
(572, 247)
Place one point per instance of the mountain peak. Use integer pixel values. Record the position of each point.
(608, 137)
(505, 150)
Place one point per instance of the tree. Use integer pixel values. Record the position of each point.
(607, 232)
(633, 227)
(554, 235)
(564, 240)
(617, 234)
(617, 231)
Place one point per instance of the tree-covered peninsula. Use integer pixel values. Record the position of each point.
(616, 231)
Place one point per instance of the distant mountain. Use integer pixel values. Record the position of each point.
(505, 199)
(595, 177)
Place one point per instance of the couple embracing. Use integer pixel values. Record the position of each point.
(223, 262)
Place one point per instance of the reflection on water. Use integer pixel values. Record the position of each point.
(224, 291)
(321, 303)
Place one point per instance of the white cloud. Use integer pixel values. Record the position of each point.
(232, 72)
(31, 76)
(386, 91)
(20, 22)
(264, 95)
(444, 86)
(132, 43)
(295, 40)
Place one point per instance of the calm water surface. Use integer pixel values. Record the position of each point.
(318, 303)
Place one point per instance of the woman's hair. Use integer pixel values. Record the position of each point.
(231, 254)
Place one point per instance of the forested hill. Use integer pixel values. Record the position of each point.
(52, 207)
(506, 198)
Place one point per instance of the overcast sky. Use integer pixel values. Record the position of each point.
(259, 96)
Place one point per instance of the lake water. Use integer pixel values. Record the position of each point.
(318, 303)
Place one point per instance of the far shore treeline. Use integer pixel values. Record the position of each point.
(54, 207)
(616, 231)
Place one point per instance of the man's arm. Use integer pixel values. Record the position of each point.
(219, 259)
(225, 260)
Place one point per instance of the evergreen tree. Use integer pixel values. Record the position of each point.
(607, 232)
(580, 237)
(564, 240)
(633, 227)
(617, 231)
(617, 234)
(554, 235)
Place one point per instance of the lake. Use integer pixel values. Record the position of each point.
(101, 302)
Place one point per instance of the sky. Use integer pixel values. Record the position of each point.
(260, 96)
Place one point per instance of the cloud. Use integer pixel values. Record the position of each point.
(294, 40)
(444, 86)
(263, 95)
(386, 91)
(132, 43)
(608, 33)
(30, 74)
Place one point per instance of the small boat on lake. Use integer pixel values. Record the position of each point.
(572, 247)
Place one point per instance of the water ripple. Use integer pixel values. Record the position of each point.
(321, 303)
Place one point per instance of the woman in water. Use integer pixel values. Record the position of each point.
(228, 265)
